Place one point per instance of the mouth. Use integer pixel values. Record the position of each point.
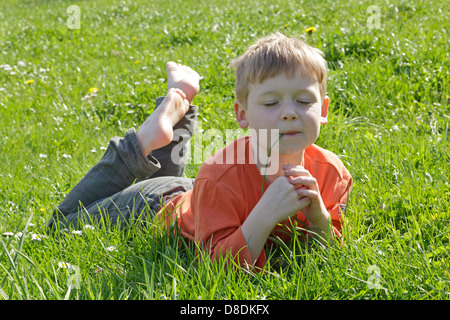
(291, 133)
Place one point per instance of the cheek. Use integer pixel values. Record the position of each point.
(312, 122)
(263, 120)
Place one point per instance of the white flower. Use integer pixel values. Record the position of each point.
(111, 248)
(6, 67)
(41, 155)
(18, 235)
(64, 265)
(8, 234)
(36, 237)
(78, 232)
(21, 64)
(89, 227)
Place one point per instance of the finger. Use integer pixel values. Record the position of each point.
(291, 166)
(296, 171)
(303, 180)
(304, 183)
(304, 202)
(308, 193)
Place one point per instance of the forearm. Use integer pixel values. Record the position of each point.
(256, 230)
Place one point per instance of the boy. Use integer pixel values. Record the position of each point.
(234, 206)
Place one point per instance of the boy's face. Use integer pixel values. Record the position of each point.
(293, 106)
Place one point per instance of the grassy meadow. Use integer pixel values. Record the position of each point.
(64, 92)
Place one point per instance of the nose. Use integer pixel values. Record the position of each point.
(289, 112)
(291, 116)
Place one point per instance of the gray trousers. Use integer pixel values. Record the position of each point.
(125, 185)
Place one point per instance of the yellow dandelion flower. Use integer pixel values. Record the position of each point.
(44, 210)
(29, 81)
(286, 25)
(93, 90)
(310, 30)
(134, 38)
(137, 62)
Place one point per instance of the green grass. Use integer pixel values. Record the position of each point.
(389, 123)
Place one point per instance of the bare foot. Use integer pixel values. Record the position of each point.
(157, 130)
(184, 78)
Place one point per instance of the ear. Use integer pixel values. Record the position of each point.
(241, 115)
(324, 115)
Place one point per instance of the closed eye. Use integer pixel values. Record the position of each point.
(307, 103)
(270, 103)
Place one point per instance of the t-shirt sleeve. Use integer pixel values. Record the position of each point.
(219, 213)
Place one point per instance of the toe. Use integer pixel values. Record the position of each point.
(171, 65)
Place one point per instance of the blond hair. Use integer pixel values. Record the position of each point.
(276, 54)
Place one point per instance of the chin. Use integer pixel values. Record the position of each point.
(293, 148)
(292, 151)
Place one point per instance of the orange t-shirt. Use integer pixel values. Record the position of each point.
(224, 194)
